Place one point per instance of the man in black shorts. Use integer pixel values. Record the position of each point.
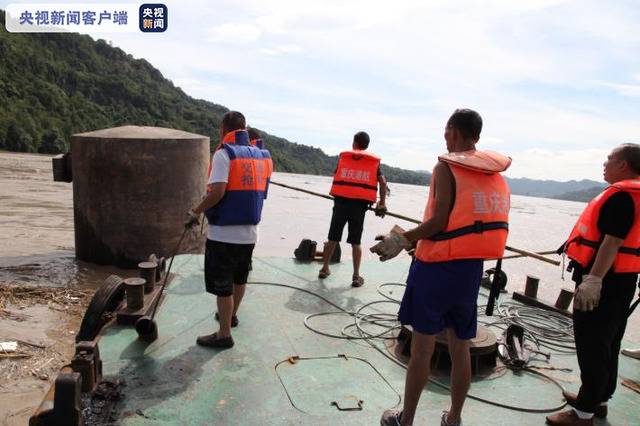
(233, 206)
(603, 251)
(354, 188)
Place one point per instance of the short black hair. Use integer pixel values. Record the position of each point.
(361, 140)
(253, 133)
(233, 120)
(468, 122)
(630, 152)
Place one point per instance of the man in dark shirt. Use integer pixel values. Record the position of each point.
(350, 210)
(603, 296)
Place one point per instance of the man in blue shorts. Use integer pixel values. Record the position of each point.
(465, 221)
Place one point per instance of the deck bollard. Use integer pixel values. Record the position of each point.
(564, 299)
(531, 286)
(148, 272)
(135, 293)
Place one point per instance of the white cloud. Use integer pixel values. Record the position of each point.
(624, 89)
(544, 74)
(575, 164)
(281, 50)
(235, 33)
(199, 89)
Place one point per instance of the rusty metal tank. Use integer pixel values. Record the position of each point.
(132, 186)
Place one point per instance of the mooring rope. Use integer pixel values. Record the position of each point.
(539, 256)
(389, 323)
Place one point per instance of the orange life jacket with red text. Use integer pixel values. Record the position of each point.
(479, 221)
(356, 176)
(247, 183)
(258, 143)
(585, 238)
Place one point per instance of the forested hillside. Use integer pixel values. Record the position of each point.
(54, 85)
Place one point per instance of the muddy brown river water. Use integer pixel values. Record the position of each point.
(36, 248)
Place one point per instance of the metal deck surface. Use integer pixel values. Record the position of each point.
(175, 382)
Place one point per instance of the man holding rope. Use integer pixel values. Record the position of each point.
(233, 206)
(465, 221)
(603, 248)
(354, 189)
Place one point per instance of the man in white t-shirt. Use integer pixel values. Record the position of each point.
(233, 205)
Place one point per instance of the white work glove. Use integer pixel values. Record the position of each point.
(391, 244)
(192, 220)
(588, 293)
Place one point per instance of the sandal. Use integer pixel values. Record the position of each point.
(357, 281)
(213, 341)
(323, 274)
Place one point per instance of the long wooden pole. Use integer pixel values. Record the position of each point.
(520, 252)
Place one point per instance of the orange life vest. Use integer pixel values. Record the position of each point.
(479, 221)
(247, 183)
(258, 143)
(585, 238)
(356, 176)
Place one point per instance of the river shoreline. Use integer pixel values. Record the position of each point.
(37, 219)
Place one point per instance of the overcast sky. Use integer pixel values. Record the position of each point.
(556, 82)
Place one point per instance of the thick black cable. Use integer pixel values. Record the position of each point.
(368, 337)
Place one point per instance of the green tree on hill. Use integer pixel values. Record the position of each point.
(54, 85)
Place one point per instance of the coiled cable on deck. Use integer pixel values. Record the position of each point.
(389, 323)
(547, 329)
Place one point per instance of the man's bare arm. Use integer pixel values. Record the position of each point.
(217, 192)
(382, 183)
(606, 255)
(443, 180)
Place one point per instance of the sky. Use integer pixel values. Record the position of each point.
(557, 82)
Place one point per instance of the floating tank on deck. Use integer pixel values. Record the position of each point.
(131, 188)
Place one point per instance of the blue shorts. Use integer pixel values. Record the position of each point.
(442, 295)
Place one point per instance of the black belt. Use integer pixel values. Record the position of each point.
(478, 227)
(359, 185)
(595, 245)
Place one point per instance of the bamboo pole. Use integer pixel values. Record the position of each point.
(521, 252)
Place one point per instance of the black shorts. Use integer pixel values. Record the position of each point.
(226, 264)
(348, 211)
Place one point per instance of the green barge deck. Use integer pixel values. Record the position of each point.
(172, 381)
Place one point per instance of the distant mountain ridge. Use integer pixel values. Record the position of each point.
(581, 195)
(573, 190)
(55, 85)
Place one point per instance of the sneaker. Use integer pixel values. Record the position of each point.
(568, 418)
(443, 420)
(391, 418)
(600, 412)
(213, 341)
(234, 320)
